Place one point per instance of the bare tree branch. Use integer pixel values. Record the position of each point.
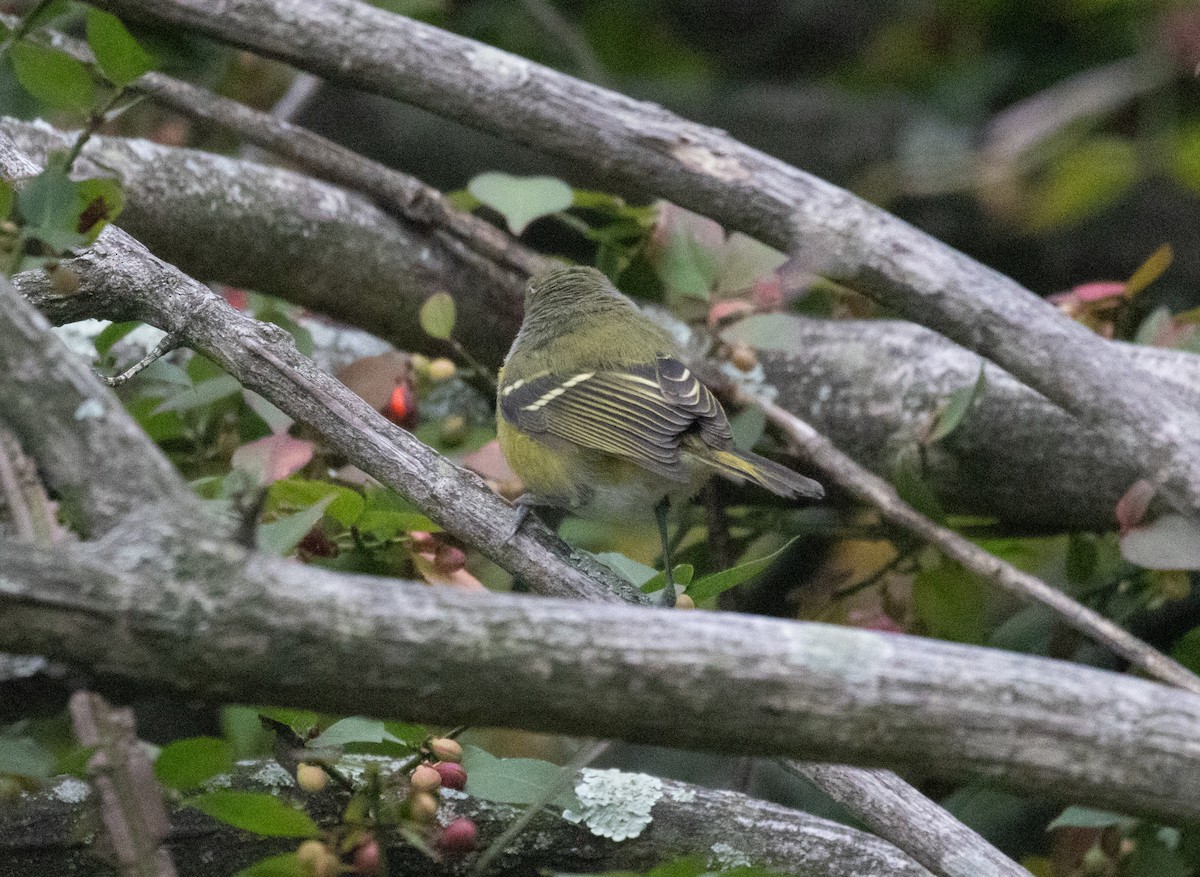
(131, 807)
(35, 835)
(202, 616)
(96, 458)
(640, 146)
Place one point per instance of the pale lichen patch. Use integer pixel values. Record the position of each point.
(615, 804)
(726, 856)
(273, 776)
(72, 791)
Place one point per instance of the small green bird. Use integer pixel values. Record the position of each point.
(597, 415)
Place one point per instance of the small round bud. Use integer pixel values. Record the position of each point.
(441, 369)
(316, 859)
(311, 777)
(445, 749)
(425, 779)
(449, 559)
(422, 807)
(64, 279)
(424, 542)
(451, 774)
(743, 358)
(368, 857)
(420, 364)
(458, 838)
(683, 601)
(454, 430)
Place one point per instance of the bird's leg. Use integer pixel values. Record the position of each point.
(524, 505)
(667, 598)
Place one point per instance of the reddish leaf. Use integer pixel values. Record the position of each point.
(273, 458)
(1131, 507)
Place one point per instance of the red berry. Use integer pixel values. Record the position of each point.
(449, 559)
(453, 776)
(459, 837)
(368, 857)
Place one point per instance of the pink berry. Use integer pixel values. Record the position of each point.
(453, 776)
(459, 837)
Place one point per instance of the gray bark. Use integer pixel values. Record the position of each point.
(41, 834)
(96, 458)
(203, 617)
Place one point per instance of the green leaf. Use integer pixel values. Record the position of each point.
(23, 757)
(345, 507)
(687, 266)
(275, 419)
(1081, 182)
(1153, 857)
(514, 780)
(521, 200)
(1187, 650)
(111, 334)
(355, 729)
(1169, 542)
(202, 394)
(281, 536)
(1150, 270)
(98, 202)
(119, 55)
(437, 315)
(911, 485)
(745, 261)
(46, 14)
(48, 207)
(6, 198)
(186, 764)
(712, 586)
(388, 524)
(75, 761)
(748, 426)
(682, 572)
(956, 409)
(637, 573)
(1086, 817)
(283, 865)
(951, 603)
(53, 77)
(254, 811)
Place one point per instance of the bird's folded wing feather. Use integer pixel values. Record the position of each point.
(641, 414)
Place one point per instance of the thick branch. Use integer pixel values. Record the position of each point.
(640, 146)
(36, 836)
(206, 618)
(96, 458)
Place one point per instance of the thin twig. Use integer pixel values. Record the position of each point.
(166, 345)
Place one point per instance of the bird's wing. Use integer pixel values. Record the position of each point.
(641, 413)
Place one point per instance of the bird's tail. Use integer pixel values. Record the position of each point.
(744, 466)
